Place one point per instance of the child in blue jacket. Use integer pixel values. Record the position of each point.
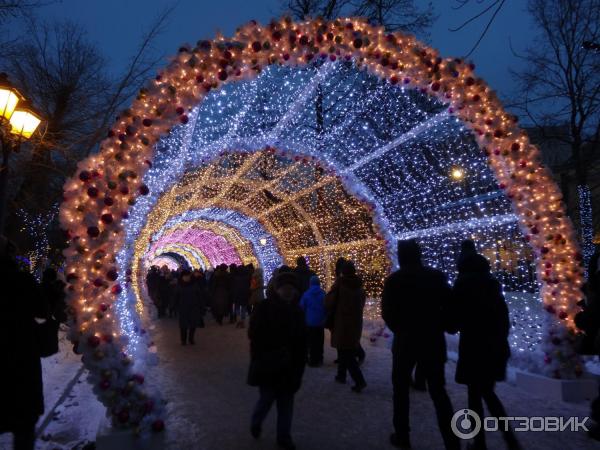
(313, 305)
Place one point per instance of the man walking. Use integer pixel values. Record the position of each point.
(414, 305)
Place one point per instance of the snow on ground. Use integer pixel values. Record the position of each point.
(210, 404)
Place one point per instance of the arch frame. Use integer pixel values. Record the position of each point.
(104, 325)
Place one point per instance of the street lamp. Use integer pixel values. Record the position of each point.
(18, 122)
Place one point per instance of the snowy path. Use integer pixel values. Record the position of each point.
(210, 403)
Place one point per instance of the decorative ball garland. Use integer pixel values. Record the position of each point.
(97, 199)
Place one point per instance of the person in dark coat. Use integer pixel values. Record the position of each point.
(346, 302)
(257, 288)
(240, 294)
(199, 280)
(164, 291)
(360, 351)
(313, 305)
(21, 388)
(190, 305)
(414, 305)
(278, 355)
(152, 285)
(483, 350)
(467, 251)
(303, 273)
(220, 296)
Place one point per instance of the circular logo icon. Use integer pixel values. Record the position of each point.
(466, 423)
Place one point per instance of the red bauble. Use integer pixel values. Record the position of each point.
(180, 110)
(93, 231)
(116, 289)
(84, 175)
(106, 218)
(562, 315)
(92, 192)
(147, 122)
(98, 282)
(108, 201)
(144, 190)
(256, 46)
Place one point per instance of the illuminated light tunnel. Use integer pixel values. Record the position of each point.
(355, 136)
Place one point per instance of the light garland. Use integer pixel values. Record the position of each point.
(407, 186)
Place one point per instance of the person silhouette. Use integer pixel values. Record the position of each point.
(414, 305)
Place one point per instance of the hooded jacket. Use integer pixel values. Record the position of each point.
(313, 304)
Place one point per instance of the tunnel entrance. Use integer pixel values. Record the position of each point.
(405, 143)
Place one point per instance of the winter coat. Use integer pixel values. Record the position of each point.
(220, 293)
(482, 319)
(190, 304)
(304, 275)
(313, 304)
(240, 287)
(277, 346)
(346, 301)
(415, 302)
(257, 288)
(153, 280)
(165, 291)
(21, 388)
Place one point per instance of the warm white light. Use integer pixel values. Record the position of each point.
(24, 123)
(457, 173)
(8, 102)
(263, 241)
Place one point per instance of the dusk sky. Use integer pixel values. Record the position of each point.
(117, 25)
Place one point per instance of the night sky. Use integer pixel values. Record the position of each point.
(117, 25)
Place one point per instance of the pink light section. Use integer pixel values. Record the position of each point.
(214, 246)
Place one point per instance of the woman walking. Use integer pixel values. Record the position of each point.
(345, 303)
(483, 350)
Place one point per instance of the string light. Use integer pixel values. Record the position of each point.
(387, 137)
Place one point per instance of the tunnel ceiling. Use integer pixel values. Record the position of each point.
(331, 157)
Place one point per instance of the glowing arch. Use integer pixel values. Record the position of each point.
(97, 200)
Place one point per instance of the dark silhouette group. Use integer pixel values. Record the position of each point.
(288, 319)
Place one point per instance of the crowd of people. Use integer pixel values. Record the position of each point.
(288, 319)
(228, 291)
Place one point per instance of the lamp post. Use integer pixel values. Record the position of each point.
(18, 122)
